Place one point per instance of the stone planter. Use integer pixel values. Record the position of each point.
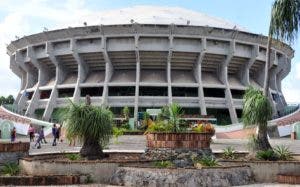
(189, 140)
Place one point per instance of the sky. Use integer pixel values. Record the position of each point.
(25, 17)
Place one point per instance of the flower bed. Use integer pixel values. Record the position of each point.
(190, 140)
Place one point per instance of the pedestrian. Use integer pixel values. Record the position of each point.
(54, 134)
(13, 135)
(59, 134)
(31, 132)
(40, 138)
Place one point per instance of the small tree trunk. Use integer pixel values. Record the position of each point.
(91, 149)
(267, 68)
(262, 138)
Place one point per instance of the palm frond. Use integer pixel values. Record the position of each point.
(285, 20)
(257, 109)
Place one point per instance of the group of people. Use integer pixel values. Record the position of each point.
(32, 133)
(56, 133)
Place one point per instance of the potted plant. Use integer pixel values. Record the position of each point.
(168, 132)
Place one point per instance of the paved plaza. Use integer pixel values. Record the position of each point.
(137, 143)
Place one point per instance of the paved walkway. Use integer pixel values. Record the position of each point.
(137, 144)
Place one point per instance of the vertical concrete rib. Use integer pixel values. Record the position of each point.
(82, 70)
(41, 77)
(199, 75)
(245, 71)
(108, 71)
(224, 79)
(169, 69)
(54, 93)
(137, 80)
(23, 99)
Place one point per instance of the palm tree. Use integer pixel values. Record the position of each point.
(257, 110)
(175, 112)
(284, 26)
(126, 113)
(92, 125)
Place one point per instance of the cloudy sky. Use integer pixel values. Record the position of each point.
(25, 17)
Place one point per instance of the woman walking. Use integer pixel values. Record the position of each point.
(31, 133)
(13, 135)
(40, 138)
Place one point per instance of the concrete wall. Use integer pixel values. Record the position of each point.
(266, 171)
(100, 172)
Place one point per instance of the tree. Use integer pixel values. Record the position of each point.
(257, 111)
(284, 26)
(92, 125)
(175, 112)
(10, 99)
(2, 100)
(126, 113)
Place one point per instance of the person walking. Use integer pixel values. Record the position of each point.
(13, 135)
(31, 133)
(40, 138)
(54, 134)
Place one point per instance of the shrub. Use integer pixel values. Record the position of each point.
(160, 126)
(199, 128)
(209, 128)
(267, 155)
(73, 157)
(116, 133)
(208, 161)
(229, 153)
(125, 126)
(88, 179)
(163, 164)
(283, 153)
(10, 169)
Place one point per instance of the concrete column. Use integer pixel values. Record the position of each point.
(244, 74)
(199, 75)
(82, 70)
(41, 79)
(137, 80)
(27, 78)
(169, 70)
(224, 78)
(53, 97)
(108, 71)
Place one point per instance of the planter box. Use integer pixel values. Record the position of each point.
(178, 140)
(14, 147)
(288, 178)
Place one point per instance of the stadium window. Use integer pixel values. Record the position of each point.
(237, 94)
(66, 92)
(45, 94)
(153, 91)
(121, 91)
(214, 92)
(184, 92)
(91, 91)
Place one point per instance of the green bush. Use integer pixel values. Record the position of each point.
(73, 157)
(267, 155)
(228, 153)
(88, 179)
(208, 161)
(160, 126)
(125, 126)
(10, 169)
(163, 164)
(283, 153)
(116, 133)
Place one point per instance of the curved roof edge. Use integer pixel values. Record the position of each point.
(132, 29)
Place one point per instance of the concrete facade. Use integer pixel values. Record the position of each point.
(67, 63)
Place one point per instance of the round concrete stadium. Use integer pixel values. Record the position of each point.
(204, 66)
